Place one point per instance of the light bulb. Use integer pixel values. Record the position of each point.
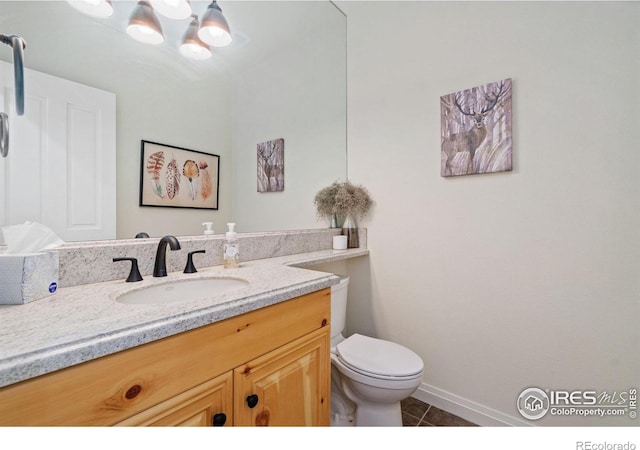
(173, 9)
(144, 34)
(94, 8)
(215, 36)
(195, 51)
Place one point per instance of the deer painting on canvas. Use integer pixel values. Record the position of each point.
(271, 166)
(476, 130)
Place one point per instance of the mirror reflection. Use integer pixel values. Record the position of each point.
(283, 77)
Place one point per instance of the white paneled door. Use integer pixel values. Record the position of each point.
(61, 167)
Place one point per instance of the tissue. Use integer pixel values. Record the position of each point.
(30, 237)
(26, 272)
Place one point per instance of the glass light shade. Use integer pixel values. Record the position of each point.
(144, 25)
(214, 29)
(192, 47)
(93, 8)
(173, 9)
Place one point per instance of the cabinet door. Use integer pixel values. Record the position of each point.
(205, 405)
(289, 386)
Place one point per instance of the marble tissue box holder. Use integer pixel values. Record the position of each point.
(28, 277)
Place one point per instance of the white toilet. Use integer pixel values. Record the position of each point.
(369, 377)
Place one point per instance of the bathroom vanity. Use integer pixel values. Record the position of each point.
(257, 354)
(266, 367)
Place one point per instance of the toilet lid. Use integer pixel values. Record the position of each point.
(378, 357)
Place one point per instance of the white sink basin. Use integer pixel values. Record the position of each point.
(182, 291)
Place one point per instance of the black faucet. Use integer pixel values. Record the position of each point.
(160, 267)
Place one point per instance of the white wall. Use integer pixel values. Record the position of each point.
(198, 119)
(297, 93)
(501, 281)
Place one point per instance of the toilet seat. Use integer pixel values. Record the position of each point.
(380, 359)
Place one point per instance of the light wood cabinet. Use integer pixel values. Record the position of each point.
(279, 353)
(285, 387)
(205, 405)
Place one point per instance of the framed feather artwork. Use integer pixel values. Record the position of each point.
(177, 177)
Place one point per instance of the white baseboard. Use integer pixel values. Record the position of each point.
(466, 409)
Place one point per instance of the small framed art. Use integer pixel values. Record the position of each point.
(177, 177)
(271, 166)
(476, 130)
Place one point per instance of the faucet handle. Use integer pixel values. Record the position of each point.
(134, 274)
(190, 268)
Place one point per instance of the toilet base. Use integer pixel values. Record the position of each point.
(376, 402)
(384, 412)
(342, 408)
(379, 415)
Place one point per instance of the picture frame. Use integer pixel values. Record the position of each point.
(270, 173)
(475, 132)
(177, 177)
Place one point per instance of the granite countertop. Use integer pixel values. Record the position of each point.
(81, 323)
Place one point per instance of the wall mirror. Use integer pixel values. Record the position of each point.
(283, 77)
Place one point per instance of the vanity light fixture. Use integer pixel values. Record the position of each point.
(214, 29)
(192, 46)
(94, 8)
(144, 25)
(173, 9)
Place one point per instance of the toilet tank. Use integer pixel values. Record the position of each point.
(339, 306)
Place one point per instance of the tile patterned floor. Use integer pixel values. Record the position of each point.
(417, 413)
